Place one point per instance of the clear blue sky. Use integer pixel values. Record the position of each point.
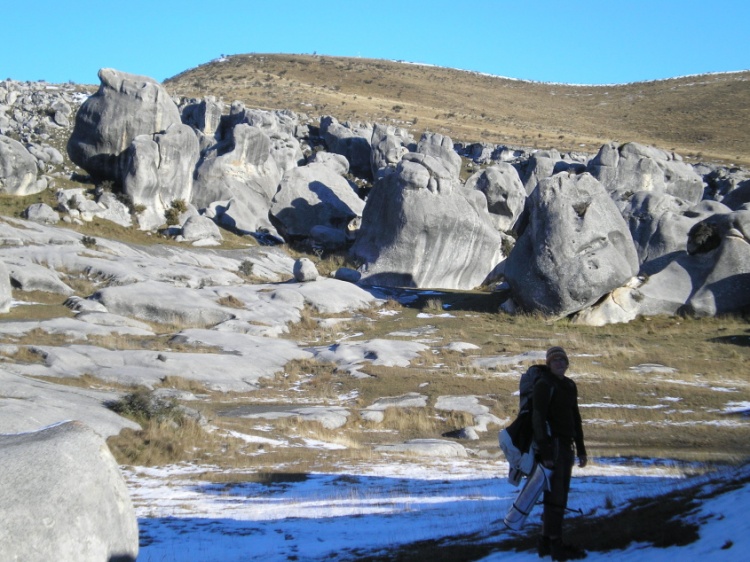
(574, 41)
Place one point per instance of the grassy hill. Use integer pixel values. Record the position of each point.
(702, 118)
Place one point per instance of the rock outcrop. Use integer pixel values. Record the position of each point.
(712, 277)
(626, 169)
(440, 147)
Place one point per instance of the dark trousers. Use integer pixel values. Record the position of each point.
(556, 500)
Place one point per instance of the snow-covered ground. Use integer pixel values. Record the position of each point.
(363, 509)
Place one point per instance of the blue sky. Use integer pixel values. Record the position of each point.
(574, 41)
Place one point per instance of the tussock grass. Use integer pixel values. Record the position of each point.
(162, 442)
(412, 423)
(40, 306)
(27, 345)
(86, 381)
(230, 301)
(167, 434)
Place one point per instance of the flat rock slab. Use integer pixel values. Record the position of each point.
(350, 356)
(375, 412)
(330, 417)
(510, 360)
(29, 404)
(427, 448)
(224, 372)
(80, 327)
(470, 405)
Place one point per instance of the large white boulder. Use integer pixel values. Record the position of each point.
(18, 169)
(125, 106)
(422, 228)
(575, 248)
(63, 498)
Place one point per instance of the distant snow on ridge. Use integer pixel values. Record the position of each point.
(576, 85)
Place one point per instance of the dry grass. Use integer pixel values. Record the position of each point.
(698, 117)
(164, 442)
(676, 413)
(414, 423)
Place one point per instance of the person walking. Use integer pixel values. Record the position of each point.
(557, 426)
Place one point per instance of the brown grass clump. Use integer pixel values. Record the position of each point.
(231, 301)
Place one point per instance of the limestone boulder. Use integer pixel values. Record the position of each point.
(158, 170)
(422, 228)
(389, 145)
(113, 210)
(714, 280)
(347, 274)
(200, 230)
(41, 213)
(18, 169)
(710, 277)
(629, 168)
(659, 223)
(35, 277)
(739, 197)
(6, 291)
(427, 448)
(539, 166)
(63, 498)
(280, 127)
(504, 192)
(441, 147)
(575, 248)
(243, 172)
(203, 115)
(314, 195)
(124, 107)
(351, 140)
(305, 271)
(337, 163)
(719, 264)
(152, 301)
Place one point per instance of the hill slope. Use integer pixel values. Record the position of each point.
(699, 117)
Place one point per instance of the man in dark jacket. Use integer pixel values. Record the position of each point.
(557, 426)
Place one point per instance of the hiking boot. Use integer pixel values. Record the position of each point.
(561, 551)
(542, 547)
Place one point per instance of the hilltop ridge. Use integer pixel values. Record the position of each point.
(699, 117)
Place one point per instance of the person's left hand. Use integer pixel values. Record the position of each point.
(583, 461)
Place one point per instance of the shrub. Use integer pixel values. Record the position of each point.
(141, 406)
(175, 210)
(246, 268)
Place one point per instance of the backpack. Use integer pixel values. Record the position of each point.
(517, 440)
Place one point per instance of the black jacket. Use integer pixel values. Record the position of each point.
(556, 413)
